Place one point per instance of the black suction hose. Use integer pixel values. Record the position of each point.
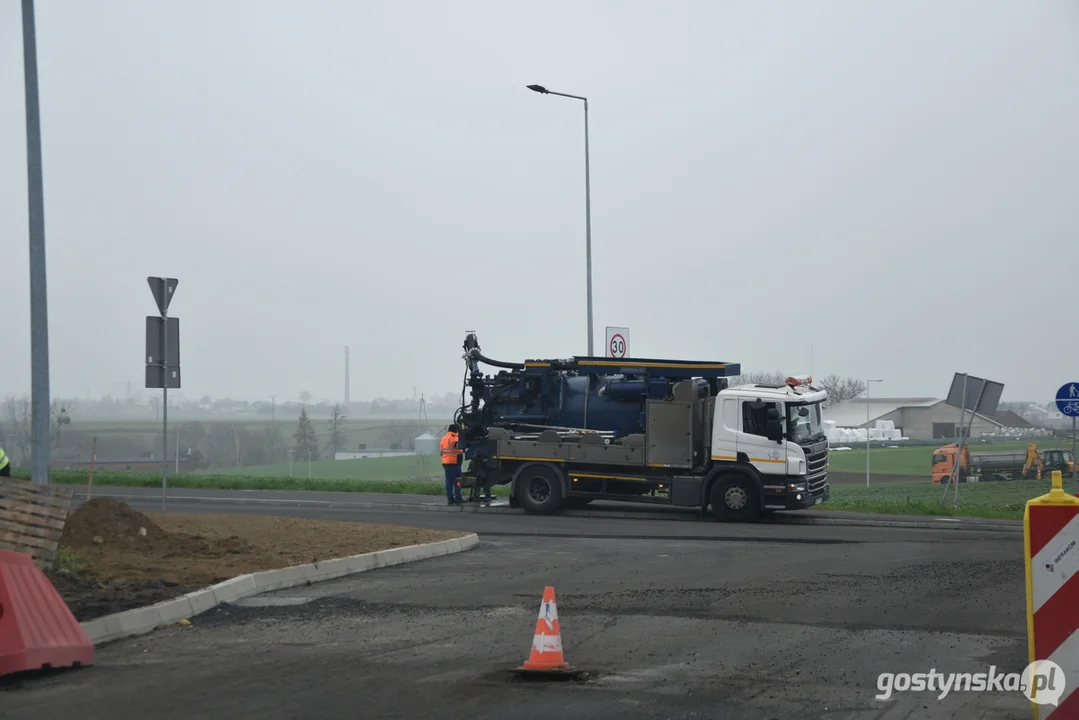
(496, 363)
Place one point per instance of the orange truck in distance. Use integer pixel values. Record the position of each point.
(996, 466)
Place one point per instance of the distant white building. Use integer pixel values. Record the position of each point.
(915, 418)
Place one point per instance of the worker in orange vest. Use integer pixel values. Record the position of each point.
(451, 464)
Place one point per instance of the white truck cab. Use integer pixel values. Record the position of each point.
(777, 431)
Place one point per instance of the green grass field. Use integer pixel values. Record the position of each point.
(990, 500)
(912, 461)
(418, 467)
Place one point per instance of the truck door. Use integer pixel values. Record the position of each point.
(768, 456)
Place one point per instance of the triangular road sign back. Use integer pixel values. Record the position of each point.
(163, 289)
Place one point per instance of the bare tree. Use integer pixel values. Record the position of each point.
(759, 378)
(60, 419)
(16, 413)
(841, 389)
(336, 440)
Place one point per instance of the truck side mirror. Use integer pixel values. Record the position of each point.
(773, 430)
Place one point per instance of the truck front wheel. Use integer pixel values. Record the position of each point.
(538, 490)
(734, 498)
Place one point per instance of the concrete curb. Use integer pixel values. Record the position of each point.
(142, 620)
(658, 513)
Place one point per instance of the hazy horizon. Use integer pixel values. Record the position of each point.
(879, 190)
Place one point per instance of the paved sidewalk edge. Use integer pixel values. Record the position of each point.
(142, 620)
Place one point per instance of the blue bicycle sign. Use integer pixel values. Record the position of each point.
(1068, 399)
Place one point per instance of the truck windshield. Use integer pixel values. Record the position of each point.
(804, 423)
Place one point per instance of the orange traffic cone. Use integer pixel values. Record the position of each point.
(546, 655)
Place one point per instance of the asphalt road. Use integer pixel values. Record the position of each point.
(673, 620)
(344, 505)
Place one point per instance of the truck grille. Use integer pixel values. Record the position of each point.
(816, 467)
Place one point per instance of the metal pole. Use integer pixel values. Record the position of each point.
(1074, 463)
(957, 464)
(177, 450)
(587, 206)
(39, 312)
(966, 434)
(93, 459)
(868, 383)
(164, 407)
(588, 226)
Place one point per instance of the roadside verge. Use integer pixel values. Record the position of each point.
(145, 619)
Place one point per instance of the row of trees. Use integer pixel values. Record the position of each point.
(205, 444)
(142, 404)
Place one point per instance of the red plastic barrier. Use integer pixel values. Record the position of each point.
(37, 629)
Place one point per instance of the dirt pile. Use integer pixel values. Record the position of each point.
(106, 525)
(114, 558)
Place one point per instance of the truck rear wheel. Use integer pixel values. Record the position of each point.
(538, 490)
(734, 498)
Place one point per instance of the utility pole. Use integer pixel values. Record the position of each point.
(273, 408)
(39, 311)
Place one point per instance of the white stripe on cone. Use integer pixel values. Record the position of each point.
(542, 642)
(1067, 657)
(1055, 563)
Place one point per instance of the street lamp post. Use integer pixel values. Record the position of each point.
(39, 313)
(587, 204)
(867, 384)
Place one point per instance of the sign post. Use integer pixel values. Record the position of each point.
(976, 396)
(1051, 559)
(1068, 405)
(617, 342)
(163, 362)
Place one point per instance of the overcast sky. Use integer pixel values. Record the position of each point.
(892, 184)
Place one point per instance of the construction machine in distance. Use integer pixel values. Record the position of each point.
(999, 466)
(562, 433)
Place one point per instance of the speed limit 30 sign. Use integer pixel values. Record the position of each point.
(617, 342)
